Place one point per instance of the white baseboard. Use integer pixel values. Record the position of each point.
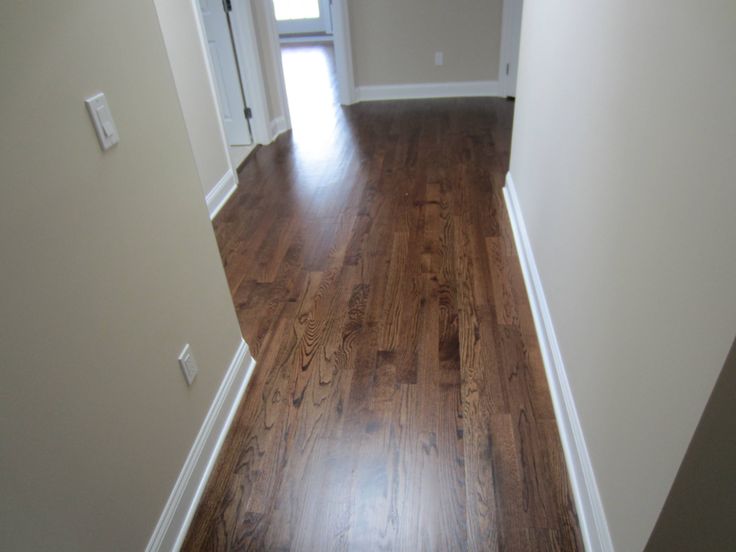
(221, 192)
(174, 522)
(591, 515)
(278, 127)
(427, 90)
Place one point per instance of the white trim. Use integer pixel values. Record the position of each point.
(174, 522)
(427, 90)
(221, 192)
(510, 38)
(239, 154)
(247, 48)
(194, 6)
(278, 127)
(592, 517)
(343, 52)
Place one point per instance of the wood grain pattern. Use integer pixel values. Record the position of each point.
(399, 401)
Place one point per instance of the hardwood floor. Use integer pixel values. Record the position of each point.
(399, 401)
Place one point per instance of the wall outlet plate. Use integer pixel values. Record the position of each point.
(188, 364)
(99, 112)
(439, 58)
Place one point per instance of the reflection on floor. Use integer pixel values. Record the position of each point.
(311, 88)
(399, 401)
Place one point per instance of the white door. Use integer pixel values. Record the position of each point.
(511, 36)
(225, 72)
(303, 16)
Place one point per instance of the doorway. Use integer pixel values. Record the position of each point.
(309, 55)
(308, 61)
(227, 77)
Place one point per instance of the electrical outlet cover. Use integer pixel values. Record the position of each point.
(188, 364)
(99, 112)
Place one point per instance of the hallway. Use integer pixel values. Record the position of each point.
(399, 401)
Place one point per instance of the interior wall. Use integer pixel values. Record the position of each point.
(698, 513)
(394, 42)
(196, 95)
(622, 157)
(109, 265)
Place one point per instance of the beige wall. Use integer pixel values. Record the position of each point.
(394, 41)
(109, 266)
(196, 96)
(270, 58)
(699, 511)
(623, 158)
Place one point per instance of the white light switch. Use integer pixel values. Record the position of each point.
(439, 58)
(99, 112)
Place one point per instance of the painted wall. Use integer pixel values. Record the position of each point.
(196, 95)
(394, 41)
(698, 513)
(623, 160)
(109, 265)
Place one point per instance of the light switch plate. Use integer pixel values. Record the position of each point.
(99, 112)
(188, 364)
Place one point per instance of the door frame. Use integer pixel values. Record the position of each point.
(247, 48)
(343, 51)
(245, 40)
(510, 41)
(241, 91)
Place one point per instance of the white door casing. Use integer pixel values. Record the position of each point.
(510, 38)
(225, 72)
(343, 51)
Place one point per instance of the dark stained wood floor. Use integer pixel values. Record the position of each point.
(399, 401)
